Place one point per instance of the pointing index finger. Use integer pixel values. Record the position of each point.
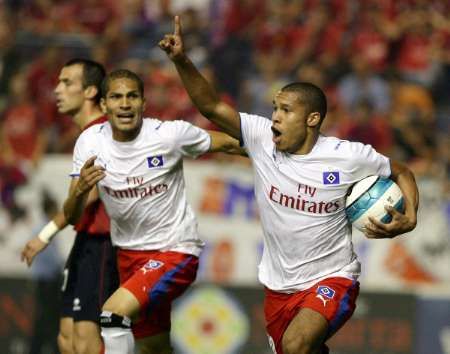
(177, 31)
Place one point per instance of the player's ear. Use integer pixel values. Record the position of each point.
(90, 92)
(313, 119)
(103, 105)
(144, 104)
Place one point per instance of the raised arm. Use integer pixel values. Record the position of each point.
(202, 94)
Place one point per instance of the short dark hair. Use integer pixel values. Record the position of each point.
(93, 74)
(121, 74)
(311, 96)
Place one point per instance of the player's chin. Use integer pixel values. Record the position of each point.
(62, 110)
(279, 144)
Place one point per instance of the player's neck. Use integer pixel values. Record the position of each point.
(308, 144)
(87, 114)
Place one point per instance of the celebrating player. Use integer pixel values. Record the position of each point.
(137, 167)
(308, 265)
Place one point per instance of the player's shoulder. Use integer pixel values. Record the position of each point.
(339, 146)
(172, 128)
(344, 151)
(92, 133)
(255, 119)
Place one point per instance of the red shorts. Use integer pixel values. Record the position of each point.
(156, 279)
(334, 298)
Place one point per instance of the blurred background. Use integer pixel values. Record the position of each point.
(385, 67)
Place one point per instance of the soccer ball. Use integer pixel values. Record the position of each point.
(368, 197)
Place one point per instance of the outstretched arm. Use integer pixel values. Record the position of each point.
(221, 142)
(202, 94)
(45, 236)
(401, 222)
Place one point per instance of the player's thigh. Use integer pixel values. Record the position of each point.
(66, 326)
(122, 302)
(65, 335)
(157, 344)
(97, 280)
(308, 329)
(87, 337)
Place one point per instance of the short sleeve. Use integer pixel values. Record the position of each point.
(188, 139)
(253, 129)
(368, 161)
(79, 155)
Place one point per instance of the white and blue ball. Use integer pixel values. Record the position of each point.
(369, 197)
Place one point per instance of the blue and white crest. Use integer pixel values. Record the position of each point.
(325, 291)
(155, 161)
(152, 264)
(330, 177)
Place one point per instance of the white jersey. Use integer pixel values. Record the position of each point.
(144, 188)
(301, 200)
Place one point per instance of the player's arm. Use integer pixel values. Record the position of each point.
(221, 142)
(401, 222)
(45, 236)
(202, 94)
(83, 190)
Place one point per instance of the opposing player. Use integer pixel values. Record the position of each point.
(91, 273)
(308, 265)
(137, 166)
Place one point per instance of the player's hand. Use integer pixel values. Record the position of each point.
(31, 249)
(172, 44)
(399, 224)
(90, 174)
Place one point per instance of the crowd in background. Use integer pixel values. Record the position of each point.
(384, 65)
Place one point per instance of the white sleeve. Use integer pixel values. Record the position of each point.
(80, 153)
(368, 161)
(253, 129)
(188, 139)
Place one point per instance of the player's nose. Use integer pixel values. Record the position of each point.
(125, 103)
(276, 117)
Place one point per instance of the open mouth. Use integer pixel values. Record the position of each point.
(125, 116)
(276, 135)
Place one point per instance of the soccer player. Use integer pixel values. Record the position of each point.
(136, 165)
(308, 266)
(91, 273)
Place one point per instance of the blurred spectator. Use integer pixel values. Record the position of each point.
(23, 140)
(363, 84)
(370, 40)
(9, 54)
(11, 177)
(259, 89)
(366, 126)
(231, 57)
(418, 52)
(413, 119)
(95, 16)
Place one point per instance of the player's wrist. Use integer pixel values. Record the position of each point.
(80, 192)
(48, 232)
(180, 58)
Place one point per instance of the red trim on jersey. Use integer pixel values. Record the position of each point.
(100, 120)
